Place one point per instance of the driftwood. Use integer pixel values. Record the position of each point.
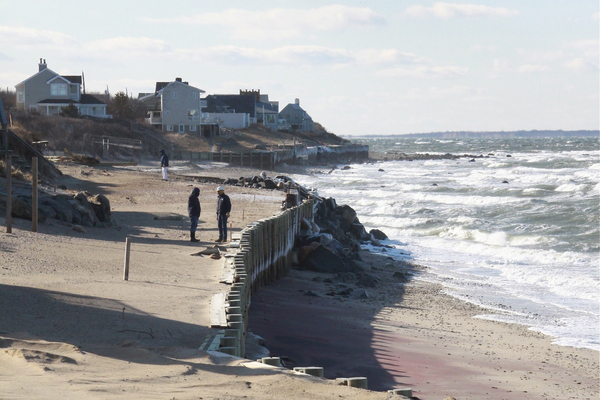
(82, 158)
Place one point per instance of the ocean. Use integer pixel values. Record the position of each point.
(516, 231)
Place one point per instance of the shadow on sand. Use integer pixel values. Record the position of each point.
(304, 320)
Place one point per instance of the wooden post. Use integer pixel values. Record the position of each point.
(8, 193)
(34, 194)
(126, 266)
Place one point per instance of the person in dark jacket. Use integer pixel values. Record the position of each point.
(164, 165)
(194, 213)
(223, 210)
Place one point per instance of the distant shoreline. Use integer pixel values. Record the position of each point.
(493, 134)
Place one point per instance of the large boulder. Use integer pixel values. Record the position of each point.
(324, 260)
(269, 184)
(101, 207)
(62, 208)
(358, 231)
(346, 215)
(377, 234)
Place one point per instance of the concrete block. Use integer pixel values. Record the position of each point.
(234, 318)
(314, 371)
(406, 392)
(229, 350)
(274, 361)
(358, 382)
(227, 341)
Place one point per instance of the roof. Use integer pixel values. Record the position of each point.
(57, 101)
(85, 99)
(89, 99)
(73, 78)
(160, 85)
(218, 103)
(36, 74)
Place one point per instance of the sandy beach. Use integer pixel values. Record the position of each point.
(72, 328)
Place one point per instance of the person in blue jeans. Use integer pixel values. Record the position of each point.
(194, 212)
(223, 210)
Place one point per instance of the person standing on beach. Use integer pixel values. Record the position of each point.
(194, 213)
(164, 165)
(223, 210)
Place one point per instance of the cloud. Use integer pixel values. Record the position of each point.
(424, 72)
(283, 23)
(453, 10)
(388, 56)
(128, 45)
(596, 16)
(587, 48)
(29, 37)
(581, 65)
(528, 68)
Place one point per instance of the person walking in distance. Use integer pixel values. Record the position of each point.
(223, 210)
(164, 165)
(194, 212)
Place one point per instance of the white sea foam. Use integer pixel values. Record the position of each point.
(526, 249)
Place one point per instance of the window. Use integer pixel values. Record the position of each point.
(58, 89)
(21, 96)
(193, 115)
(192, 128)
(169, 128)
(173, 95)
(181, 128)
(195, 95)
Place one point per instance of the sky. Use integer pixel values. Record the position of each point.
(357, 67)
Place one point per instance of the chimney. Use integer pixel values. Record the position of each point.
(297, 102)
(177, 79)
(42, 65)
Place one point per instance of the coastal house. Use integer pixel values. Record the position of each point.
(178, 107)
(249, 106)
(46, 92)
(296, 118)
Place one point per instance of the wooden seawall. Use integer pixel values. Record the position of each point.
(263, 257)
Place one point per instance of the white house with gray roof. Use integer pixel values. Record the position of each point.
(177, 107)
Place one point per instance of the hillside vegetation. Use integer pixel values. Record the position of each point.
(78, 135)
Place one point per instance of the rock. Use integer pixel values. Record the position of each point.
(377, 234)
(269, 184)
(78, 228)
(358, 230)
(381, 170)
(330, 203)
(367, 280)
(346, 167)
(101, 207)
(322, 259)
(305, 228)
(375, 242)
(62, 208)
(400, 276)
(347, 216)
